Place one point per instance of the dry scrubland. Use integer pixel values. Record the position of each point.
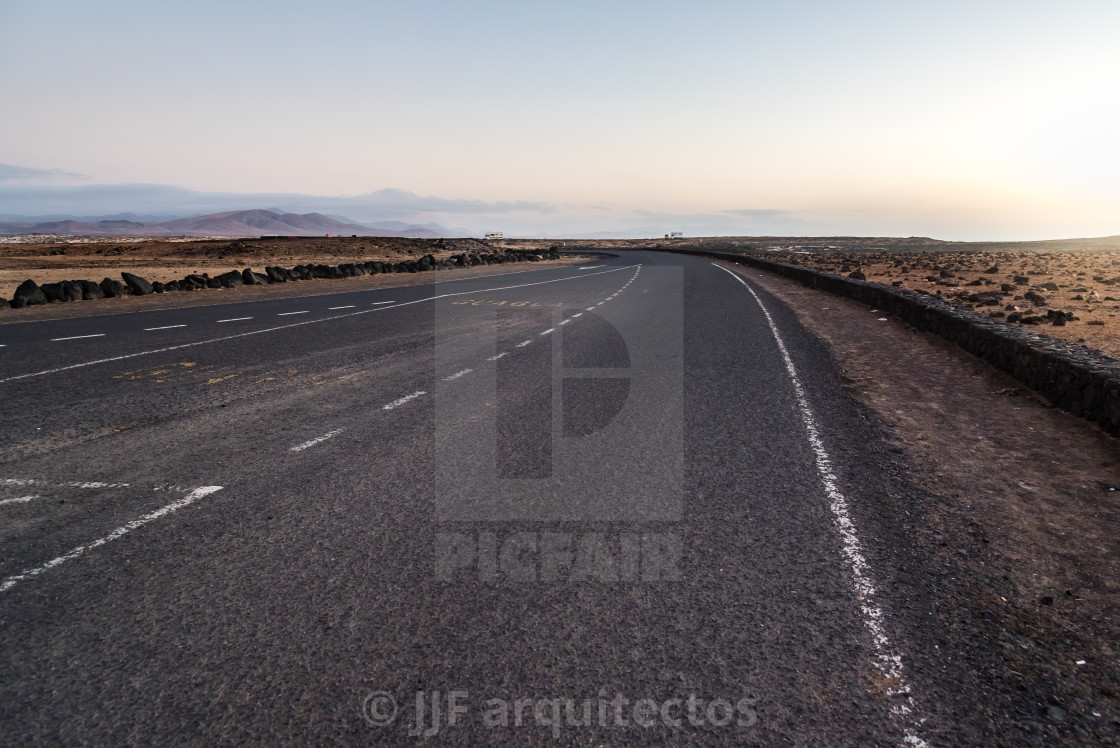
(1068, 289)
(1069, 295)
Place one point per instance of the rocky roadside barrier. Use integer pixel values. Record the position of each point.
(30, 293)
(1073, 378)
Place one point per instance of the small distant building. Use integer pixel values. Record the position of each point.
(676, 235)
(493, 235)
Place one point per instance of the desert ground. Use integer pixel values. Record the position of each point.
(166, 260)
(1066, 289)
(1070, 295)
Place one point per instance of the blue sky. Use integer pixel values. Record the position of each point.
(954, 119)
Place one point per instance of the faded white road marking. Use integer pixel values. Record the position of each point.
(381, 302)
(316, 440)
(348, 306)
(589, 309)
(19, 499)
(403, 400)
(71, 484)
(79, 337)
(500, 355)
(165, 327)
(174, 506)
(235, 319)
(457, 374)
(578, 314)
(546, 332)
(888, 661)
(289, 314)
(565, 321)
(523, 343)
(224, 338)
(590, 267)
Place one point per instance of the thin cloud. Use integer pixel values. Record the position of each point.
(759, 212)
(12, 173)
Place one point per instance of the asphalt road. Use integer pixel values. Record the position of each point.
(621, 503)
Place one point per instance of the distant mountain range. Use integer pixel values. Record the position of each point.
(237, 223)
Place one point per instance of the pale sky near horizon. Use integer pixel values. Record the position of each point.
(961, 120)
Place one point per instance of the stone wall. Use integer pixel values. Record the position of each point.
(1071, 377)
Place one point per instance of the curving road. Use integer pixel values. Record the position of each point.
(619, 503)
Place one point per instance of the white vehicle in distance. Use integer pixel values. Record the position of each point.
(493, 235)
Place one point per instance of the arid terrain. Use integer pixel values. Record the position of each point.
(1067, 289)
(1070, 295)
(165, 260)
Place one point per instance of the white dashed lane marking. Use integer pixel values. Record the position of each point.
(281, 327)
(333, 308)
(457, 374)
(376, 303)
(523, 344)
(19, 499)
(546, 332)
(78, 337)
(71, 484)
(316, 440)
(165, 327)
(500, 355)
(403, 400)
(121, 531)
(289, 314)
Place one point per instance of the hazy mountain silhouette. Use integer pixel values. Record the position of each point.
(231, 223)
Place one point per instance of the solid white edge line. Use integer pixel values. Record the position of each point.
(298, 324)
(78, 337)
(165, 327)
(19, 499)
(403, 400)
(174, 506)
(316, 440)
(886, 660)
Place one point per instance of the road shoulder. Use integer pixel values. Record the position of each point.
(1021, 504)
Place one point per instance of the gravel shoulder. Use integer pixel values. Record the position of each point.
(1022, 522)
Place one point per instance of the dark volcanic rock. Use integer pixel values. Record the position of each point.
(276, 275)
(113, 288)
(71, 291)
(136, 284)
(54, 292)
(90, 290)
(28, 294)
(232, 279)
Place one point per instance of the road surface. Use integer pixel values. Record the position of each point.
(620, 503)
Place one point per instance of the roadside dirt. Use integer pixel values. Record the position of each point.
(1023, 509)
(1085, 286)
(165, 260)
